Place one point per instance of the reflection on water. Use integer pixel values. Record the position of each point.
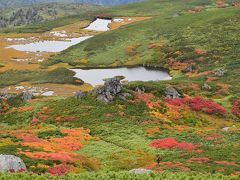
(96, 76)
(49, 46)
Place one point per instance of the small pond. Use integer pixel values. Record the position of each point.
(49, 46)
(96, 76)
(99, 25)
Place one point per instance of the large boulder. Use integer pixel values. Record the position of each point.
(112, 88)
(11, 163)
(172, 93)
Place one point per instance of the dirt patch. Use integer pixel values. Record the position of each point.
(121, 21)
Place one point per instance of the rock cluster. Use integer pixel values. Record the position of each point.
(220, 72)
(6, 96)
(111, 89)
(172, 93)
(11, 163)
(27, 96)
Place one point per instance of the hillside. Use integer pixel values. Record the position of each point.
(187, 127)
(12, 17)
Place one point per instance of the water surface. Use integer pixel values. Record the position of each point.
(96, 76)
(49, 46)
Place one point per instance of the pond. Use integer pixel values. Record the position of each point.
(96, 76)
(49, 46)
(99, 25)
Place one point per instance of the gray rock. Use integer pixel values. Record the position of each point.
(140, 170)
(11, 163)
(206, 86)
(27, 96)
(220, 72)
(79, 94)
(124, 96)
(112, 87)
(188, 69)
(6, 96)
(172, 93)
(140, 90)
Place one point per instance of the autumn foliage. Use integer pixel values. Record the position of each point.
(173, 143)
(59, 170)
(198, 104)
(236, 107)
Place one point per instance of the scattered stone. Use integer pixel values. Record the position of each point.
(112, 88)
(172, 93)
(226, 128)
(79, 94)
(27, 96)
(6, 96)
(140, 170)
(11, 163)
(140, 90)
(220, 72)
(188, 69)
(206, 86)
(176, 15)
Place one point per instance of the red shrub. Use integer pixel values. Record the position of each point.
(198, 104)
(236, 108)
(171, 143)
(199, 159)
(199, 51)
(227, 163)
(148, 98)
(35, 120)
(213, 137)
(59, 170)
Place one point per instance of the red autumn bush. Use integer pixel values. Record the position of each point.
(199, 159)
(199, 51)
(173, 143)
(59, 170)
(236, 108)
(148, 98)
(198, 104)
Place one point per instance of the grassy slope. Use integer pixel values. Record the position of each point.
(213, 30)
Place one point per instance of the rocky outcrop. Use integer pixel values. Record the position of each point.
(11, 163)
(6, 96)
(27, 96)
(111, 89)
(172, 93)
